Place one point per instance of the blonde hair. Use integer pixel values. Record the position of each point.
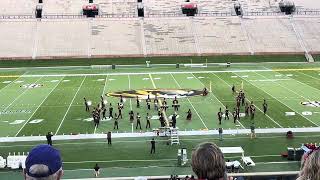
(40, 169)
(208, 162)
(310, 169)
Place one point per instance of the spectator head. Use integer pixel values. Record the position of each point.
(310, 168)
(43, 163)
(208, 162)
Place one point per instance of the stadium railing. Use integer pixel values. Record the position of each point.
(263, 13)
(17, 16)
(166, 14)
(63, 16)
(307, 12)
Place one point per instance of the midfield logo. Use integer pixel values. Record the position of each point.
(161, 93)
(311, 103)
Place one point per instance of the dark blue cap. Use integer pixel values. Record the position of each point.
(44, 155)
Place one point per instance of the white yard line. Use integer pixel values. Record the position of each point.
(249, 100)
(282, 102)
(278, 162)
(38, 107)
(304, 83)
(217, 99)
(129, 84)
(103, 91)
(130, 101)
(296, 79)
(125, 160)
(26, 90)
(74, 97)
(151, 160)
(308, 75)
(6, 86)
(231, 132)
(153, 84)
(105, 85)
(190, 103)
(160, 103)
(95, 129)
(290, 89)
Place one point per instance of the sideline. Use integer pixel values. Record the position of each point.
(152, 134)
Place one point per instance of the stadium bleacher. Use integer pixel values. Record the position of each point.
(9, 7)
(14, 7)
(218, 35)
(158, 36)
(164, 31)
(309, 28)
(21, 38)
(62, 38)
(307, 4)
(169, 36)
(117, 6)
(271, 34)
(115, 36)
(260, 5)
(126, 35)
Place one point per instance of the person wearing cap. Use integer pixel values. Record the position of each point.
(43, 162)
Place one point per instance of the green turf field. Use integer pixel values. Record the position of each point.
(35, 101)
(33, 104)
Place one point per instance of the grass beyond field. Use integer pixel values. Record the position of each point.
(154, 60)
(37, 101)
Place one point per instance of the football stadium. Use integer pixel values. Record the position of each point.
(132, 89)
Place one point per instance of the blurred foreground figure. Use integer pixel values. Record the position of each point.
(43, 163)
